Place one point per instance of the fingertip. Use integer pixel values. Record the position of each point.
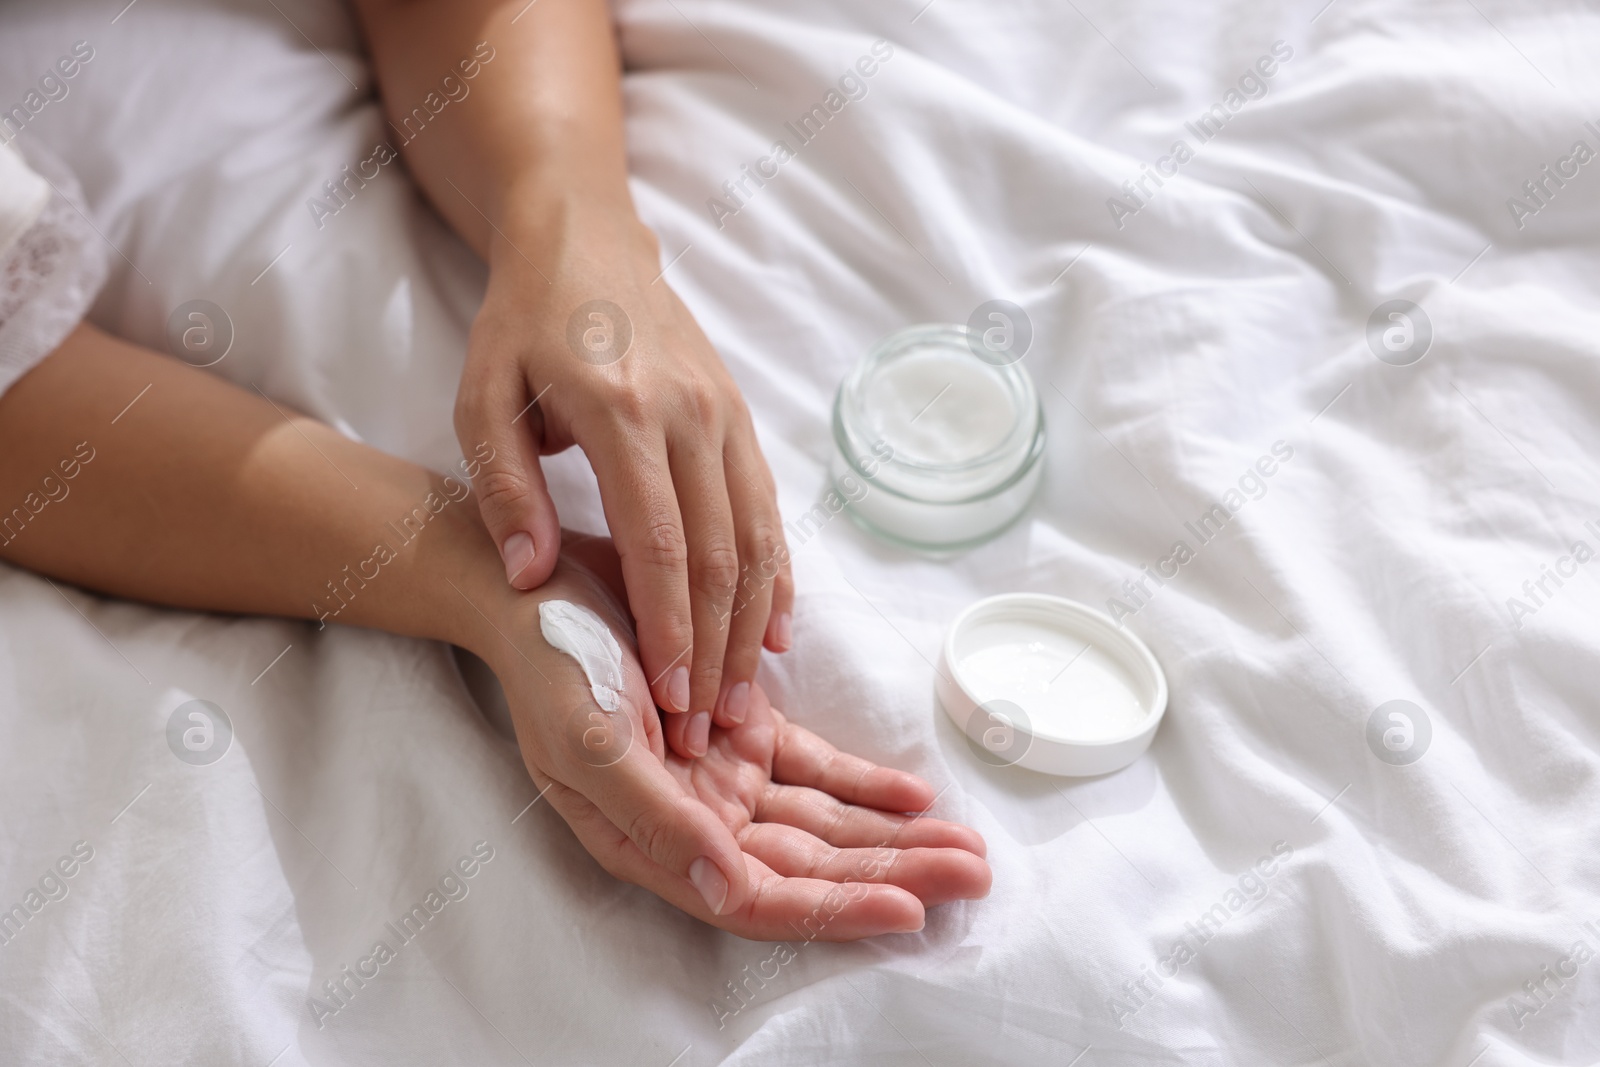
(527, 567)
(734, 707)
(936, 833)
(970, 877)
(890, 790)
(675, 726)
(965, 838)
(711, 883)
(697, 735)
(904, 913)
(780, 632)
(881, 909)
(939, 876)
(906, 791)
(508, 484)
(983, 879)
(780, 622)
(678, 689)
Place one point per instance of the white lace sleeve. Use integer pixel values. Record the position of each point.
(52, 263)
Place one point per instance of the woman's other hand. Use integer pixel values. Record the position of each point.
(580, 339)
(772, 834)
(617, 366)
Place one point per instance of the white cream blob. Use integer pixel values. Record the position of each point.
(581, 634)
(935, 405)
(1067, 690)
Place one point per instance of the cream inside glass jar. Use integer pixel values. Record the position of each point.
(938, 447)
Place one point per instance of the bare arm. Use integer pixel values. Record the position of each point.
(530, 167)
(132, 474)
(202, 495)
(541, 144)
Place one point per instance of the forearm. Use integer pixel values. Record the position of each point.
(580, 333)
(201, 495)
(536, 148)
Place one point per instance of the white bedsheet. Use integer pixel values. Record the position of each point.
(1405, 914)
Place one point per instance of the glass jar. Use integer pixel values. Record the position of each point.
(939, 443)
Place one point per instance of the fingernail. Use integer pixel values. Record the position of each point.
(698, 736)
(785, 631)
(518, 555)
(738, 702)
(712, 885)
(678, 689)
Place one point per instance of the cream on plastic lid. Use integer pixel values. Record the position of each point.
(1051, 685)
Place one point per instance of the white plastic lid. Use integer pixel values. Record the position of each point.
(1050, 684)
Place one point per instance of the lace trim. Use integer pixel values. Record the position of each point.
(49, 277)
(36, 255)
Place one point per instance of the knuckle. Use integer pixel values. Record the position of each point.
(769, 553)
(840, 767)
(500, 493)
(710, 676)
(716, 570)
(838, 820)
(703, 401)
(663, 544)
(629, 404)
(647, 830)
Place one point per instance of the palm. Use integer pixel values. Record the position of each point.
(825, 851)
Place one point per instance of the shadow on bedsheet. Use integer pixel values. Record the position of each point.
(1034, 808)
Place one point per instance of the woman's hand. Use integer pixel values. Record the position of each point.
(827, 853)
(580, 339)
(745, 837)
(773, 834)
(617, 365)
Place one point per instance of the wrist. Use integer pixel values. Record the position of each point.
(566, 235)
(587, 573)
(469, 600)
(425, 565)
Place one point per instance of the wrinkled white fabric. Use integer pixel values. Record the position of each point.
(1386, 914)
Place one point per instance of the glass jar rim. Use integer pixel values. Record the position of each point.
(849, 416)
(1030, 460)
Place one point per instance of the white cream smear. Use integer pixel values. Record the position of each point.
(581, 634)
(1068, 690)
